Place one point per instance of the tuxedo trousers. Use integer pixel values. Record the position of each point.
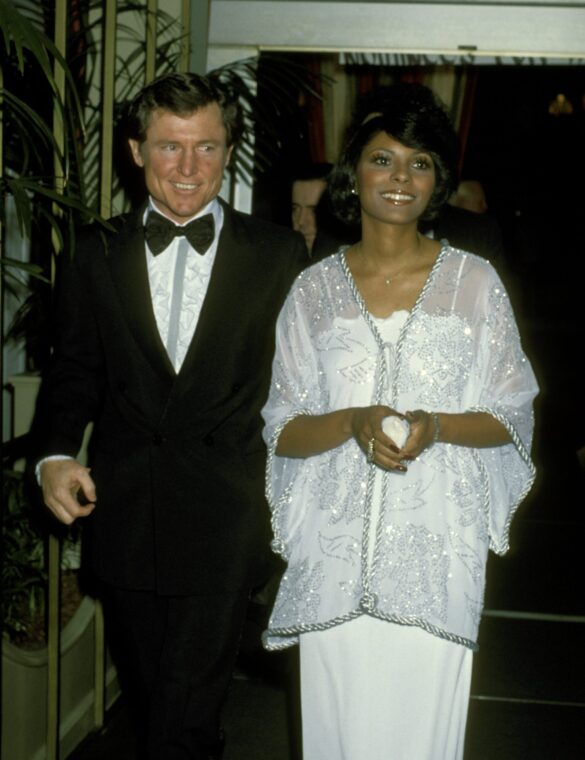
(373, 690)
(176, 655)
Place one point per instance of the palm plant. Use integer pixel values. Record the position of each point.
(265, 117)
(40, 172)
(39, 169)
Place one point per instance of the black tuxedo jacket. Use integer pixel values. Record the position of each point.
(178, 459)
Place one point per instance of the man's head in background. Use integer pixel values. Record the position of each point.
(470, 195)
(307, 189)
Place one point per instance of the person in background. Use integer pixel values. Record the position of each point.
(470, 195)
(165, 334)
(311, 212)
(470, 229)
(306, 193)
(399, 426)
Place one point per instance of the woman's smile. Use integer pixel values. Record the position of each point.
(397, 197)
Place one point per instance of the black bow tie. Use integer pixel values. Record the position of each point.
(160, 231)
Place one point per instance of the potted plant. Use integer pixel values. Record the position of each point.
(24, 648)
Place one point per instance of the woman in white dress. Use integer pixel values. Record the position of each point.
(399, 428)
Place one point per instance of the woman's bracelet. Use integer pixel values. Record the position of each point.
(437, 433)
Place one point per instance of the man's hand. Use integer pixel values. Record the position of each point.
(63, 481)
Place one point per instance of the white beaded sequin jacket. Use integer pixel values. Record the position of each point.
(408, 548)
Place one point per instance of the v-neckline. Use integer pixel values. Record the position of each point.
(360, 299)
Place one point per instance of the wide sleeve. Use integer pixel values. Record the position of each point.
(294, 390)
(503, 385)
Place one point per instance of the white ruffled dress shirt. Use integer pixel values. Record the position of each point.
(161, 273)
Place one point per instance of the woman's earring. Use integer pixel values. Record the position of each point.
(353, 191)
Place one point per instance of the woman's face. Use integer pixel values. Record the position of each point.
(394, 183)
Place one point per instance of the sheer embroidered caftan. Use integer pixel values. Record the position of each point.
(407, 548)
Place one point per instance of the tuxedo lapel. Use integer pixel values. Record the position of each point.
(127, 261)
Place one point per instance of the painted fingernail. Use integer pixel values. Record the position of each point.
(395, 449)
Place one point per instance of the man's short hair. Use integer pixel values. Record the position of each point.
(182, 94)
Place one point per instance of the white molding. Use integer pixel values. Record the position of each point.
(407, 27)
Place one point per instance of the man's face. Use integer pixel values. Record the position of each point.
(305, 197)
(184, 158)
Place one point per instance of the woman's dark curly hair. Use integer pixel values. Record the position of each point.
(411, 114)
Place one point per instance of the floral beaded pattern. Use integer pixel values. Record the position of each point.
(409, 548)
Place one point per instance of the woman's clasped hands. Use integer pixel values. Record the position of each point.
(390, 439)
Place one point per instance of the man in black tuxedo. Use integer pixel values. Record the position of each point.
(165, 336)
